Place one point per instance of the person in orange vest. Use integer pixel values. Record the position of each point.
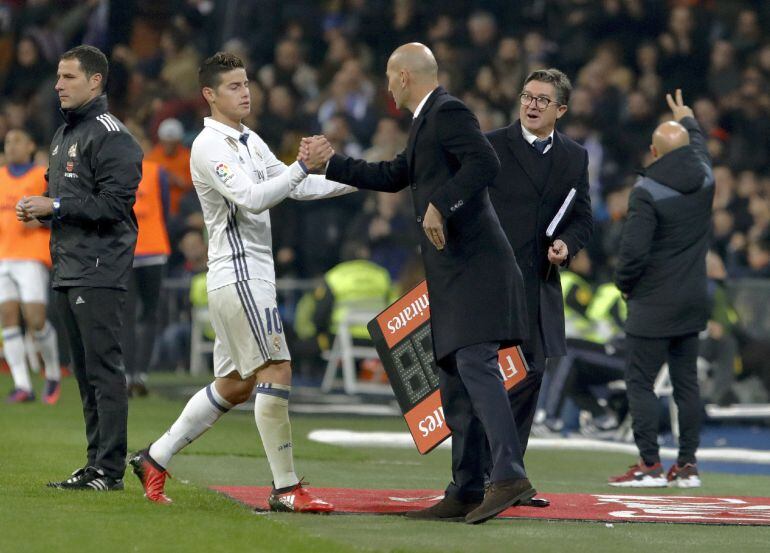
(174, 157)
(150, 256)
(25, 262)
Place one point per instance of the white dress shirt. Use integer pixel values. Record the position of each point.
(422, 103)
(530, 138)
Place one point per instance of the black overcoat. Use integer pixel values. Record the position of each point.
(475, 286)
(525, 209)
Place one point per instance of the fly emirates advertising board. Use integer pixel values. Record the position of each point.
(402, 336)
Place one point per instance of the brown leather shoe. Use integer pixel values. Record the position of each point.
(448, 509)
(499, 497)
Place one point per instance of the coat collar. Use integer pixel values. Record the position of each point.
(417, 123)
(89, 110)
(518, 145)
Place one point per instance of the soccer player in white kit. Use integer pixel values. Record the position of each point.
(238, 179)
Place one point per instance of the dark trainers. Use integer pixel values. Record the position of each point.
(499, 496)
(52, 392)
(101, 482)
(151, 475)
(20, 396)
(91, 478)
(640, 476)
(449, 509)
(73, 480)
(684, 476)
(297, 499)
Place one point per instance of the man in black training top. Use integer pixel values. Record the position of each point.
(93, 173)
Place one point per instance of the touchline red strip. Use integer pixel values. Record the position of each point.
(748, 511)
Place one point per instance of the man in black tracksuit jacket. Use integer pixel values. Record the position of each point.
(662, 271)
(93, 174)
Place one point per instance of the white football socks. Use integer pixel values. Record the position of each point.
(271, 411)
(200, 413)
(16, 356)
(47, 344)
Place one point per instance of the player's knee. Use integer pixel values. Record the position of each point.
(235, 391)
(276, 373)
(9, 314)
(36, 323)
(34, 316)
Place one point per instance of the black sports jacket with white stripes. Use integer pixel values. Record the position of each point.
(94, 169)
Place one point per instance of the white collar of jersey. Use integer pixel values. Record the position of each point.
(226, 130)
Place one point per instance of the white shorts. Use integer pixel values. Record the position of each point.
(23, 281)
(248, 327)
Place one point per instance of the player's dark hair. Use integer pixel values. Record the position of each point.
(30, 136)
(26, 131)
(559, 80)
(210, 71)
(92, 61)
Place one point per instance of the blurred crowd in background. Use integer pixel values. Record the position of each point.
(318, 67)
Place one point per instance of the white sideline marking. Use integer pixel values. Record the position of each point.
(350, 438)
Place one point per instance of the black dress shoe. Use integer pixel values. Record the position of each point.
(499, 497)
(448, 509)
(540, 502)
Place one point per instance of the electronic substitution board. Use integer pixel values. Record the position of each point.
(402, 336)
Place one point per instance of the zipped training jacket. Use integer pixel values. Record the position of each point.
(94, 170)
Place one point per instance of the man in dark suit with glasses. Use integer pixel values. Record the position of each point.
(539, 167)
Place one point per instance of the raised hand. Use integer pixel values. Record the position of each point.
(678, 107)
(315, 152)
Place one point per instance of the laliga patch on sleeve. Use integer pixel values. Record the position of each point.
(224, 172)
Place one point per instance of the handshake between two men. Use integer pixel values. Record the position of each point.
(315, 152)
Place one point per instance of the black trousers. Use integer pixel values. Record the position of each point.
(477, 410)
(92, 318)
(587, 364)
(523, 399)
(141, 324)
(645, 358)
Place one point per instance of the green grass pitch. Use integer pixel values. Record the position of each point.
(40, 442)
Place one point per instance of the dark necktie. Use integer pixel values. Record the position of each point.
(244, 139)
(541, 144)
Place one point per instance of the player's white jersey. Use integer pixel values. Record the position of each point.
(238, 179)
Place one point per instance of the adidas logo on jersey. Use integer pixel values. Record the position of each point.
(79, 300)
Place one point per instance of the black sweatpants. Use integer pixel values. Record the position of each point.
(93, 318)
(645, 358)
(141, 323)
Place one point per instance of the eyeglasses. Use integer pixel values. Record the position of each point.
(541, 102)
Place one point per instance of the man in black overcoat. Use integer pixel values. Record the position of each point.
(476, 290)
(539, 166)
